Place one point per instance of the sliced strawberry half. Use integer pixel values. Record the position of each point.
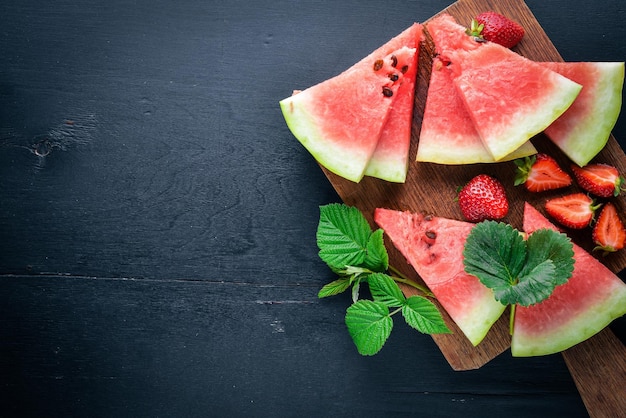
(574, 210)
(540, 172)
(602, 180)
(608, 233)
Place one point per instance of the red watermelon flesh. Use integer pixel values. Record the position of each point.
(391, 157)
(584, 129)
(434, 247)
(448, 135)
(339, 121)
(576, 310)
(509, 98)
(448, 36)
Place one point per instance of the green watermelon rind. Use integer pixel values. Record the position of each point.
(479, 312)
(349, 163)
(388, 164)
(578, 329)
(477, 322)
(432, 153)
(589, 136)
(390, 160)
(523, 125)
(564, 319)
(447, 134)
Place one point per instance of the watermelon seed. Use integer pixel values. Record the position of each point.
(387, 92)
(378, 64)
(430, 234)
(394, 61)
(404, 69)
(393, 77)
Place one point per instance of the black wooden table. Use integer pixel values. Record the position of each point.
(157, 218)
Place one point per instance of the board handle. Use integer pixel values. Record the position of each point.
(598, 367)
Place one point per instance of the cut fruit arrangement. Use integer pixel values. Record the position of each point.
(485, 104)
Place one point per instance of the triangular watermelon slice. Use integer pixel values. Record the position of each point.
(449, 36)
(448, 135)
(434, 247)
(510, 98)
(340, 120)
(390, 160)
(584, 129)
(591, 299)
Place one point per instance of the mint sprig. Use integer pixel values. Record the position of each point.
(358, 255)
(520, 272)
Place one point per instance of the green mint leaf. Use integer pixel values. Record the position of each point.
(495, 252)
(546, 247)
(342, 236)
(385, 290)
(335, 287)
(376, 258)
(423, 315)
(369, 324)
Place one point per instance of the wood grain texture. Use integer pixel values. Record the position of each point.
(599, 370)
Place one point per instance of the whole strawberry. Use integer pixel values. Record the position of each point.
(482, 198)
(494, 27)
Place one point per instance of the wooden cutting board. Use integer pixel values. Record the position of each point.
(432, 188)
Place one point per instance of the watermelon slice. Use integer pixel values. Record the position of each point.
(390, 160)
(584, 129)
(576, 310)
(509, 98)
(448, 135)
(434, 247)
(448, 36)
(340, 120)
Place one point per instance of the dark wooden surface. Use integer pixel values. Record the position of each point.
(160, 258)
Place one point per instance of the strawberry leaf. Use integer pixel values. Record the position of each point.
(519, 272)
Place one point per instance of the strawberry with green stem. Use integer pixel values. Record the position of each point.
(540, 172)
(575, 210)
(495, 27)
(602, 180)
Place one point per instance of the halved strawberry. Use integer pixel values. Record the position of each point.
(574, 210)
(540, 172)
(608, 233)
(602, 180)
